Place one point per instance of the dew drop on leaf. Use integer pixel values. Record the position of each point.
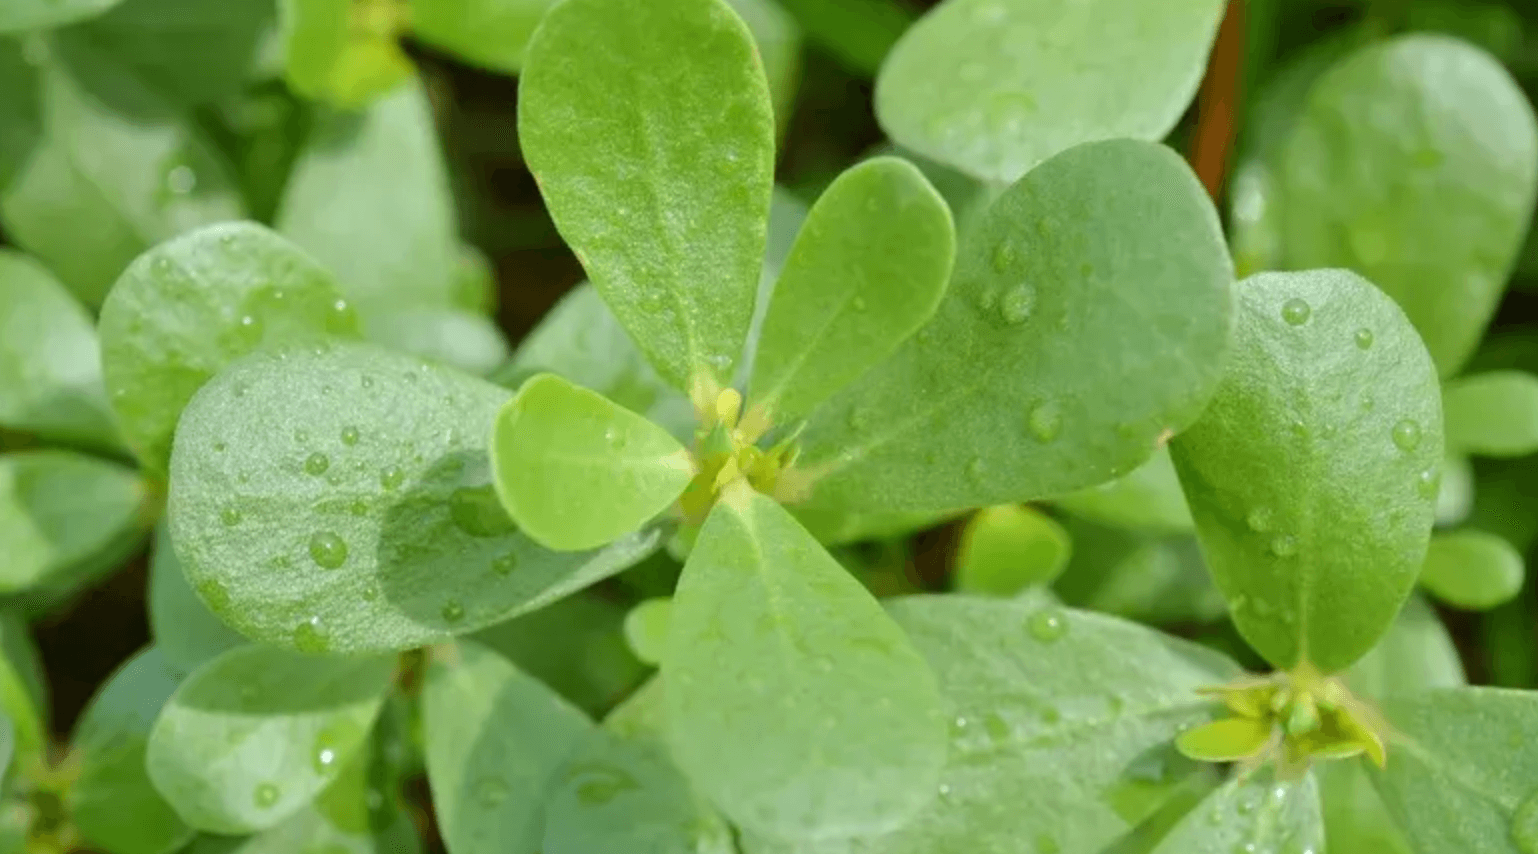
(1284, 545)
(858, 303)
(1428, 482)
(491, 791)
(452, 611)
(162, 266)
(392, 477)
(505, 564)
(230, 516)
(1296, 311)
(308, 637)
(349, 436)
(603, 785)
(265, 795)
(996, 727)
(477, 511)
(1045, 422)
(1363, 338)
(323, 756)
(316, 464)
(1017, 304)
(1524, 825)
(1407, 435)
(213, 593)
(1047, 625)
(959, 726)
(987, 300)
(328, 550)
(1004, 256)
(1259, 520)
(651, 301)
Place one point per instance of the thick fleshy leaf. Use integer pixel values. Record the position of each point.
(344, 53)
(1061, 725)
(1455, 495)
(1416, 655)
(1313, 474)
(1493, 414)
(1226, 740)
(777, 35)
(454, 337)
(255, 734)
(1415, 163)
(23, 694)
(868, 268)
(343, 819)
(308, 513)
(488, 33)
(649, 128)
(1087, 321)
(576, 646)
(113, 802)
(50, 362)
(575, 471)
(1249, 816)
(184, 310)
(369, 197)
(63, 514)
(186, 633)
(1461, 773)
(1472, 570)
(1148, 499)
(793, 702)
(20, 16)
(993, 88)
(495, 738)
(1008, 548)
(646, 629)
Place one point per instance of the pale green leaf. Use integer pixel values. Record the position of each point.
(184, 310)
(646, 628)
(793, 702)
(994, 87)
(309, 513)
(1355, 818)
(50, 361)
(1312, 475)
(1462, 769)
(340, 820)
(649, 128)
(1455, 494)
(1087, 320)
(1158, 580)
(1007, 548)
(186, 633)
(778, 38)
(459, 339)
(343, 52)
(1415, 163)
(488, 33)
(1252, 815)
(1493, 414)
(1472, 570)
(113, 802)
(23, 15)
(253, 735)
(1416, 655)
(495, 738)
(868, 268)
(576, 472)
(23, 693)
(369, 197)
(1147, 499)
(63, 515)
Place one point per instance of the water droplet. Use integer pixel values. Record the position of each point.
(603, 784)
(1045, 421)
(250, 328)
(161, 266)
(651, 301)
(477, 511)
(987, 300)
(975, 468)
(1247, 803)
(1003, 256)
(1407, 435)
(316, 464)
(505, 564)
(323, 756)
(1428, 482)
(1363, 338)
(265, 796)
(945, 791)
(996, 727)
(1296, 311)
(370, 593)
(1016, 305)
(1284, 545)
(1259, 520)
(181, 180)
(959, 725)
(230, 516)
(1524, 825)
(308, 637)
(349, 436)
(214, 594)
(858, 303)
(392, 477)
(1047, 625)
(452, 611)
(491, 791)
(328, 550)
(220, 447)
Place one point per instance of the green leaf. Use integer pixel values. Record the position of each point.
(993, 88)
(576, 646)
(576, 472)
(1147, 499)
(1416, 655)
(778, 39)
(23, 693)
(1455, 494)
(113, 802)
(488, 33)
(369, 197)
(494, 740)
(50, 362)
(1472, 570)
(184, 310)
(1074, 339)
(1493, 414)
(1252, 815)
(93, 186)
(858, 33)
(868, 268)
(793, 702)
(1354, 816)
(252, 736)
(191, 52)
(646, 628)
(1431, 198)
(459, 339)
(1057, 716)
(649, 128)
(1313, 473)
(1226, 740)
(19, 16)
(339, 821)
(1460, 776)
(1008, 548)
(343, 52)
(1137, 577)
(186, 633)
(63, 514)
(371, 531)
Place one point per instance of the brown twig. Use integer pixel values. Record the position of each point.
(1217, 105)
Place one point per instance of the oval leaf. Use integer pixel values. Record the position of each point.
(188, 307)
(1312, 476)
(649, 128)
(1008, 548)
(309, 513)
(1415, 163)
(1493, 414)
(578, 472)
(494, 739)
(488, 33)
(1472, 570)
(255, 734)
(62, 514)
(1087, 320)
(1248, 815)
(1227, 740)
(993, 87)
(342, 52)
(793, 701)
(868, 268)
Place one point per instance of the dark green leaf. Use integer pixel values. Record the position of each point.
(489, 33)
(1472, 570)
(62, 514)
(308, 513)
(186, 633)
(1493, 414)
(649, 128)
(576, 646)
(1313, 473)
(1148, 499)
(1159, 580)
(857, 32)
